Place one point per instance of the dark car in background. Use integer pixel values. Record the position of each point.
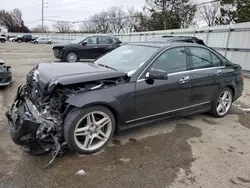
(24, 38)
(135, 84)
(177, 39)
(5, 73)
(91, 47)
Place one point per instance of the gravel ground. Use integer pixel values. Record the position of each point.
(197, 151)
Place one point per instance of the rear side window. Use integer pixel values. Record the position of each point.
(216, 61)
(203, 58)
(172, 60)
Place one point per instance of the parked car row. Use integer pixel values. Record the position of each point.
(27, 38)
(93, 47)
(127, 85)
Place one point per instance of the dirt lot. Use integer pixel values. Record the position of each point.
(198, 151)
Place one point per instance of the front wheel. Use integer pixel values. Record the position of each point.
(2, 41)
(19, 41)
(87, 131)
(71, 57)
(222, 103)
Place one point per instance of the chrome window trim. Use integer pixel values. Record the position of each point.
(140, 79)
(188, 71)
(167, 112)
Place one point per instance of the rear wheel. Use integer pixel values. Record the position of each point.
(222, 103)
(35, 42)
(2, 41)
(87, 131)
(19, 40)
(49, 42)
(71, 57)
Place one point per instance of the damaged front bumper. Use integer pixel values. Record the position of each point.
(28, 128)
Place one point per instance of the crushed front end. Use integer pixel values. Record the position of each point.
(35, 119)
(31, 128)
(40, 106)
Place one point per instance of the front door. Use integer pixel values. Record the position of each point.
(164, 96)
(89, 48)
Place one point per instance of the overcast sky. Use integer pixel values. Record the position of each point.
(72, 10)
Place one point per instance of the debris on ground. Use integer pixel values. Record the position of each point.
(80, 172)
(125, 160)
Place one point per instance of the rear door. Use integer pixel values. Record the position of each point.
(206, 68)
(106, 44)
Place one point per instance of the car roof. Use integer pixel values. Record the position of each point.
(164, 45)
(177, 38)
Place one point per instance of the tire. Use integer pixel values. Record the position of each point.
(2, 41)
(71, 56)
(73, 122)
(19, 41)
(49, 43)
(35, 42)
(227, 102)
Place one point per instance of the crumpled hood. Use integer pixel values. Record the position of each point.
(71, 73)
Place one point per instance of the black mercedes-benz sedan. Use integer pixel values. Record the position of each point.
(82, 104)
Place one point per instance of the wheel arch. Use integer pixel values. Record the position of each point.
(71, 50)
(87, 100)
(232, 88)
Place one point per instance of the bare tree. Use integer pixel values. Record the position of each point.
(209, 12)
(101, 23)
(116, 18)
(63, 26)
(16, 15)
(12, 21)
(132, 19)
(40, 29)
(88, 27)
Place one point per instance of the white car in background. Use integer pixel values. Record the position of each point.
(42, 40)
(12, 38)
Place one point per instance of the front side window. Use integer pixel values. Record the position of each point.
(171, 61)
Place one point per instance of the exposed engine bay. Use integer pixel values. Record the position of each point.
(36, 117)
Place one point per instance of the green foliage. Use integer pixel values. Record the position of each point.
(166, 14)
(234, 11)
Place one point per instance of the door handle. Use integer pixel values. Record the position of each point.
(218, 72)
(184, 79)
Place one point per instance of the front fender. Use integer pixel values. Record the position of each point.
(97, 98)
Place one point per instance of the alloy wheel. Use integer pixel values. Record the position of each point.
(93, 131)
(72, 57)
(224, 102)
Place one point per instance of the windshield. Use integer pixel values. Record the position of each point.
(78, 40)
(127, 58)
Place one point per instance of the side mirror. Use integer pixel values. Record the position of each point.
(157, 74)
(84, 43)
